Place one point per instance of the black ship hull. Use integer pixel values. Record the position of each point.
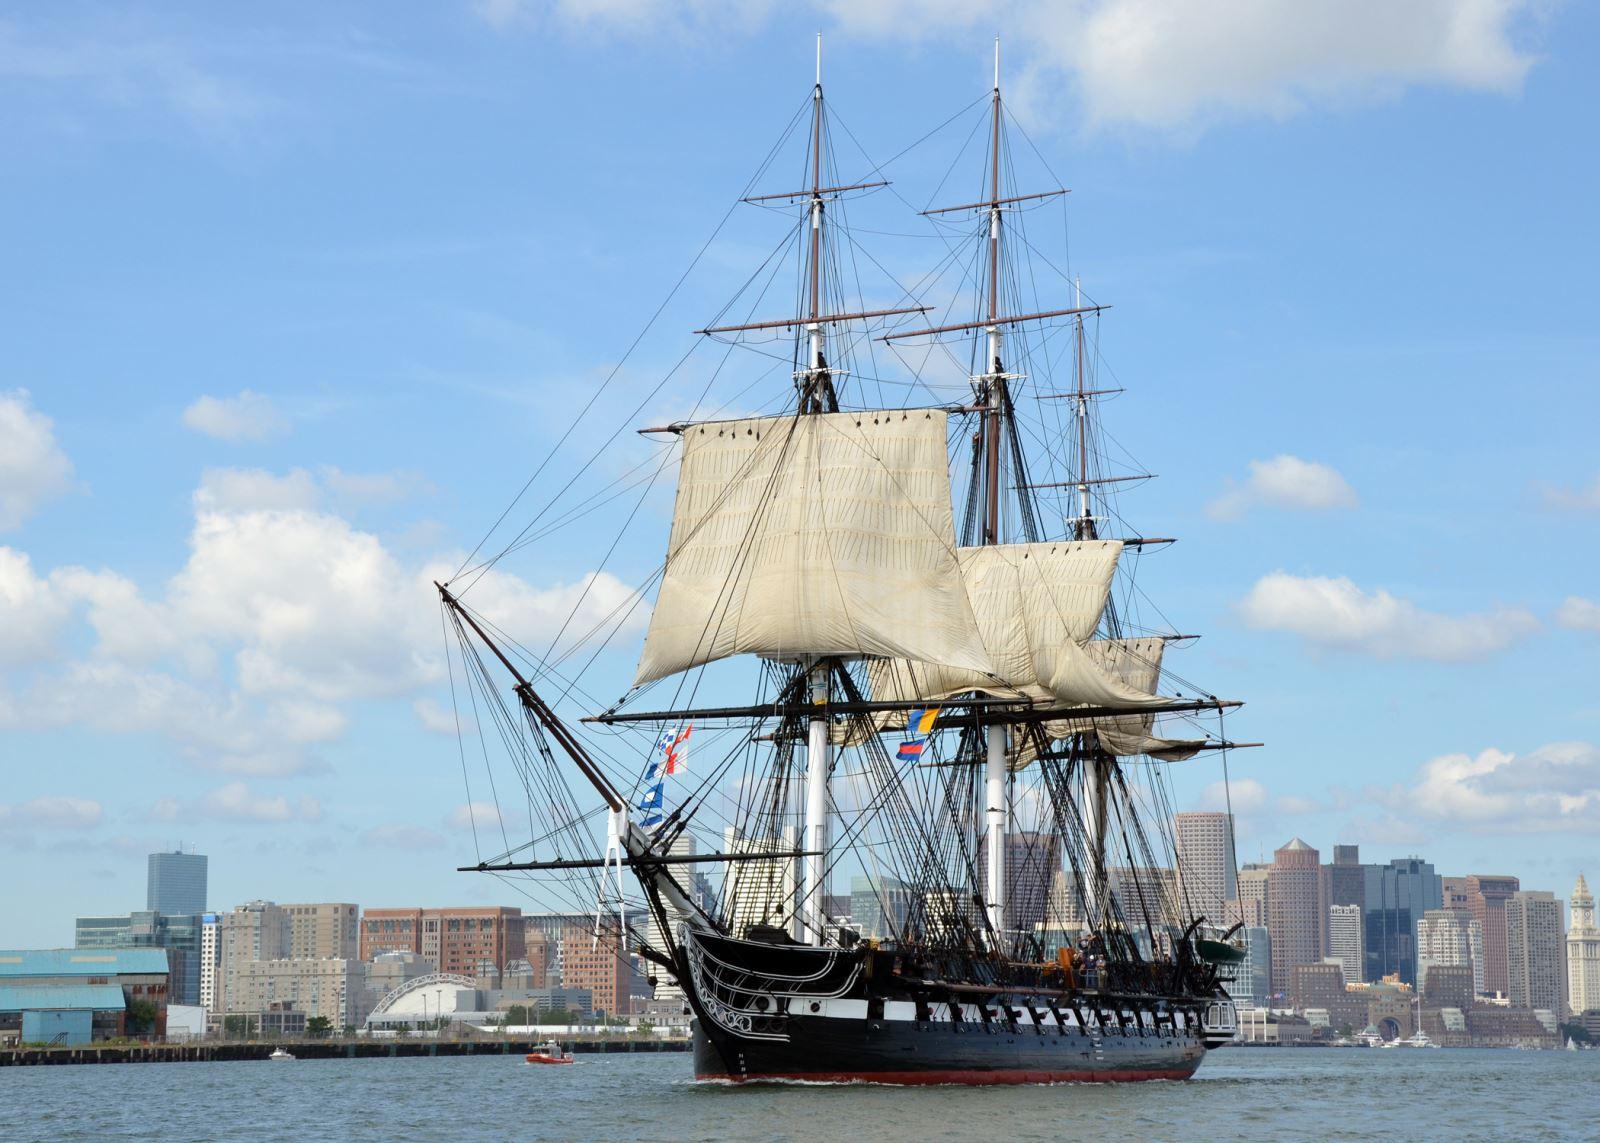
(794, 1013)
(823, 1050)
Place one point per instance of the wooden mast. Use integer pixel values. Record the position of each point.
(816, 397)
(996, 795)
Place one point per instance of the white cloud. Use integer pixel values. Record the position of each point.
(1246, 796)
(283, 613)
(1583, 499)
(434, 717)
(52, 812)
(1163, 65)
(249, 416)
(362, 488)
(1579, 614)
(1335, 614)
(243, 489)
(33, 469)
(1174, 63)
(479, 815)
(1284, 482)
(237, 802)
(1553, 788)
(1249, 798)
(637, 18)
(34, 608)
(402, 837)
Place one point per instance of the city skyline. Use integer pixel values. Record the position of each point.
(338, 298)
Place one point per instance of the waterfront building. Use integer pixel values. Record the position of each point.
(254, 931)
(454, 940)
(389, 971)
(1207, 870)
(536, 948)
(1031, 862)
(1397, 895)
(1343, 883)
(881, 907)
(759, 892)
(1486, 897)
(1293, 895)
(324, 930)
(1583, 953)
(75, 996)
(1347, 938)
(1251, 905)
(334, 988)
(1534, 952)
(180, 936)
(1449, 986)
(1448, 937)
(176, 884)
(1252, 979)
(1145, 894)
(600, 965)
(210, 962)
(1322, 986)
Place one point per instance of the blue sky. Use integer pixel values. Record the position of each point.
(291, 304)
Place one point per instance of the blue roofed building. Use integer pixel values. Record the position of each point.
(75, 996)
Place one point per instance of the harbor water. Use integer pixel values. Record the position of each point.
(1238, 1094)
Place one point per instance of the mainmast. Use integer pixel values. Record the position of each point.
(994, 401)
(816, 396)
(1096, 762)
(996, 801)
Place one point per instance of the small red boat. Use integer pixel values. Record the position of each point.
(549, 1052)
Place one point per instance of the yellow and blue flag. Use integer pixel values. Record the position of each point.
(919, 724)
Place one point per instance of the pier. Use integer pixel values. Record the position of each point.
(229, 1050)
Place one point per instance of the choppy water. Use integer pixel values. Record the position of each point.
(1238, 1094)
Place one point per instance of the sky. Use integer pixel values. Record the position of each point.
(292, 303)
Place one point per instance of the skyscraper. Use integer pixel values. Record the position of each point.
(1251, 907)
(1533, 951)
(258, 930)
(1206, 868)
(1293, 920)
(760, 892)
(322, 931)
(1583, 953)
(1397, 895)
(1343, 883)
(1487, 897)
(1346, 940)
(1252, 979)
(880, 906)
(210, 973)
(1031, 863)
(176, 883)
(1449, 938)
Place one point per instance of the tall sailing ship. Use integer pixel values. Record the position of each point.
(958, 714)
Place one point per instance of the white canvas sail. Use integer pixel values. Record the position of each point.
(1135, 663)
(826, 534)
(1036, 606)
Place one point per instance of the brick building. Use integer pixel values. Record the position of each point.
(454, 940)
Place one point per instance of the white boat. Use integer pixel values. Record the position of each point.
(280, 1054)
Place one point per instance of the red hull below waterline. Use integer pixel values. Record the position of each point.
(963, 1078)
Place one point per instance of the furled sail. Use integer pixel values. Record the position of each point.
(1036, 606)
(822, 534)
(1136, 664)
